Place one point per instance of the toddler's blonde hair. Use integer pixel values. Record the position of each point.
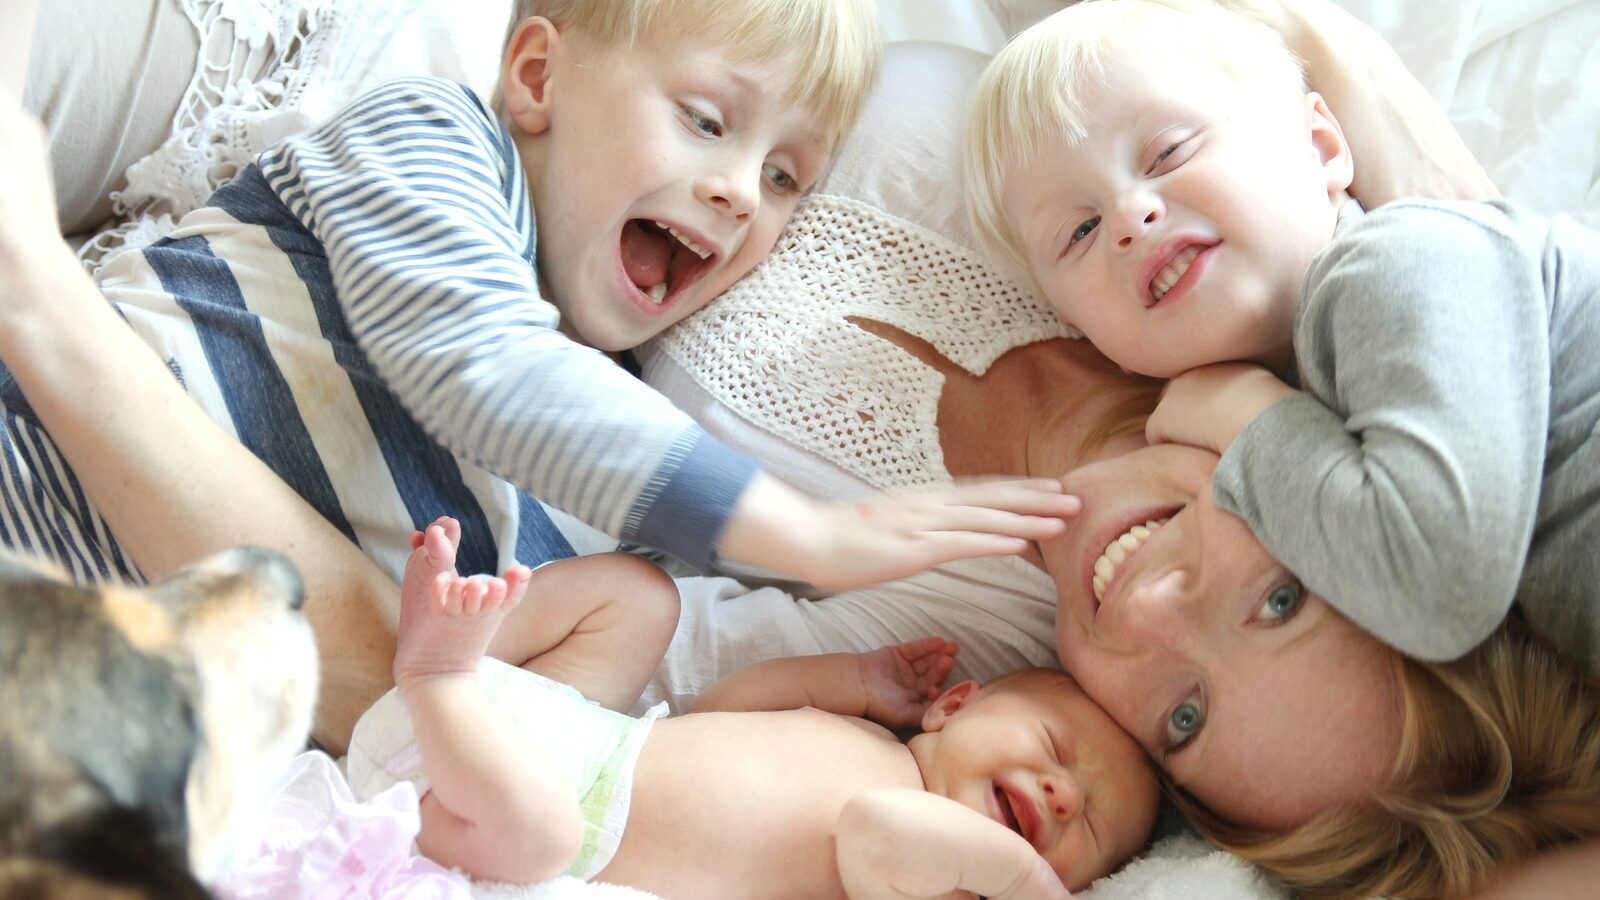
(832, 45)
(1031, 95)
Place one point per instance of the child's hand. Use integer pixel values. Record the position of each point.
(899, 681)
(895, 535)
(1209, 406)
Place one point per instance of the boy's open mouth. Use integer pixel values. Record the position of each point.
(661, 260)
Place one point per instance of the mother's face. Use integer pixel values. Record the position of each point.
(1254, 695)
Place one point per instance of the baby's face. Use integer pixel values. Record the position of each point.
(667, 172)
(1035, 754)
(1178, 231)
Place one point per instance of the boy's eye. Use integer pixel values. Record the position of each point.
(782, 181)
(1281, 605)
(1084, 229)
(1184, 722)
(702, 123)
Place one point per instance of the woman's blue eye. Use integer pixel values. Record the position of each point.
(1283, 602)
(1184, 723)
(702, 122)
(1085, 229)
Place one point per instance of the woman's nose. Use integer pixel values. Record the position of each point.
(1157, 611)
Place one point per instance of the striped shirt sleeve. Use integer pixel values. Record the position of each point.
(417, 193)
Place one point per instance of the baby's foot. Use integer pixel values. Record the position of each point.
(446, 621)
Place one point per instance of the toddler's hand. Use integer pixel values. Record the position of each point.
(896, 535)
(1209, 406)
(899, 681)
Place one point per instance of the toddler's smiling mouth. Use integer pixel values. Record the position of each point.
(663, 260)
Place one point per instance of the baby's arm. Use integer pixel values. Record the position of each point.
(894, 844)
(891, 685)
(1403, 143)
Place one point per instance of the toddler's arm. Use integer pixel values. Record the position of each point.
(895, 844)
(891, 685)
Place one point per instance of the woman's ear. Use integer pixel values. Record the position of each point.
(948, 704)
(1327, 139)
(526, 86)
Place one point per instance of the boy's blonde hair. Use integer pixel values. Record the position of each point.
(1030, 97)
(832, 45)
(1499, 759)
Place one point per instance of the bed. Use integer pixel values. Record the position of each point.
(1520, 81)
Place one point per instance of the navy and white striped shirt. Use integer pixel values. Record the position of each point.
(361, 309)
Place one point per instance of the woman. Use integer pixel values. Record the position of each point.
(221, 497)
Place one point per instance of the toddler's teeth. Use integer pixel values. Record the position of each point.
(658, 292)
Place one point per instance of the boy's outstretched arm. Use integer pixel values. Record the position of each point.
(847, 544)
(894, 844)
(892, 685)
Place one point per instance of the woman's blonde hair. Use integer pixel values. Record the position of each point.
(1031, 95)
(1499, 759)
(832, 45)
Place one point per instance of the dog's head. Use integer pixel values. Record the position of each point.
(140, 729)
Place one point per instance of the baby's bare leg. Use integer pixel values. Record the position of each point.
(497, 808)
(599, 623)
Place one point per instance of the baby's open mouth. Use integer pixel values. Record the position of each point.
(661, 260)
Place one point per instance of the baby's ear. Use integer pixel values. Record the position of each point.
(948, 704)
(1327, 138)
(526, 86)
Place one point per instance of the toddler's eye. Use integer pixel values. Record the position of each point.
(1168, 156)
(1284, 601)
(781, 180)
(702, 123)
(1084, 229)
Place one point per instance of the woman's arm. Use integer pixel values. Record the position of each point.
(172, 485)
(1403, 144)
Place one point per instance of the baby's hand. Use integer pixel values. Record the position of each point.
(1209, 406)
(899, 681)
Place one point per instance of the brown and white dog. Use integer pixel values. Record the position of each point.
(142, 728)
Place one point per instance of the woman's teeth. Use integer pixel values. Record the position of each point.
(683, 239)
(1117, 551)
(1173, 270)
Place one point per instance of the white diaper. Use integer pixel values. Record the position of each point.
(594, 747)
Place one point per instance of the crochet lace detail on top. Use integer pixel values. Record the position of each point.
(778, 351)
(265, 69)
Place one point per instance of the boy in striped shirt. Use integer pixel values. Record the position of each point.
(409, 310)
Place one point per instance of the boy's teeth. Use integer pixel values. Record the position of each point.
(1172, 271)
(658, 292)
(684, 240)
(1119, 550)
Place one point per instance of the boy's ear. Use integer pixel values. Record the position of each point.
(526, 86)
(948, 704)
(1327, 139)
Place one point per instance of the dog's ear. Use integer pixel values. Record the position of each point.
(257, 675)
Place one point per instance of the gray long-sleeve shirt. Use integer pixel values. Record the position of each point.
(1444, 459)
